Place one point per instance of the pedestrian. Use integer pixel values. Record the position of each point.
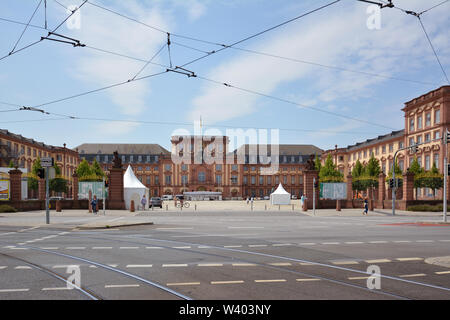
(251, 200)
(143, 202)
(248, 200)
(302, 200)
(94, 204)
(366, 207)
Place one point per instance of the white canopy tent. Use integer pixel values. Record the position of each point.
(280, 196)
(133, 189)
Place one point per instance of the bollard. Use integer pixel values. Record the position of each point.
(338, 205)
(292, 207)
(58, 205)
(132, 206)
(196, 207)
(167, 207)
(279, 207)
(265, 207)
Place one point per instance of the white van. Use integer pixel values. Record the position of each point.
(167, 197)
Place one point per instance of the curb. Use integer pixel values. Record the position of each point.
(106, 226)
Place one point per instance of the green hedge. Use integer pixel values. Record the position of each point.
(426, 208)
(7, 208)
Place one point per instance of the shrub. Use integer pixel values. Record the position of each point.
(7, 208)
(426, 208)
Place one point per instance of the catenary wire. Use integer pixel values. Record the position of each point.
(26, 27)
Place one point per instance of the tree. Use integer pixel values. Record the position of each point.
(84, 169)
(317, 163)
(11, 164)
(415, 168)
(358, 170)
(329, 173)
(32, 179)
(96, 169)
(373, 168)
(430, 179)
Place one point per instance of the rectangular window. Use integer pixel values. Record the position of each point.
(168, 180)
(419, 123)
(293, 180)
(419, 139)
(411, 142)
(428, 119)
(437, 116)
(245, 180)
(168, 167)
(253, 179)
(131, 159)
(427, 162)
(218, 167)
(419, 160)
(365, 153)
(269, 180)
(219, 179)
(401, 164)
(436, 160)
(285, 179)
(411, 124)
(184, 167)
(139, 159)
(400, 145)
(149, 180)
(376, 151)
(261, 180)
(139, 168)
(253, 168)
(184, 179)
(245, 168)
(391, 147)
(156, 179)
(277, 179)
(437, 135)
(234, 167)
(148, 159)
(34, 152)
(156, 168)
(383, 149)
(234, 179)
(383, 167)
(428, 137)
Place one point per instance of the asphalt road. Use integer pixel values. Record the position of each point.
(228, 255)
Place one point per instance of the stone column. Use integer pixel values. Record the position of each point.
(308, 185)
(115, 195)
(41, 188)
(15, 179)
(381, 187)
(408, 186)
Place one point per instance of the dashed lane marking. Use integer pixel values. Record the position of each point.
(344, 262)
(174, 228)
(358, 278)
(23, 268)
(442, 272)
(227, 282)
(306, 244)
(307, 279)
(139, 266)
(49, 248)
(330, 242)
(55, 289)
(185, 247)
(378, 241)
(412, 275)
(281, 244)
(3, 267)
(270, 280)
(378, 261)
(121, 285)
(174, 265)
(13, 290)
(423, 241)
(243, 264)
(281, 264)
(153, 248)
(409, 259)
(232, 246)
(183, 284)
(402, 241)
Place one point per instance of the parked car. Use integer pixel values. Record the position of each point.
(266, 198)
(167, 197)
(155, 202)
(294, 197)
(56, 198)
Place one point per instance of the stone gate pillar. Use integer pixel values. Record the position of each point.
(15, 180)
(308, 184)
(381, 187)
(408, 186)
(349, 187)
(41, 189)
(115, 192)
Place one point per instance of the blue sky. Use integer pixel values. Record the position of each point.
(336, 36)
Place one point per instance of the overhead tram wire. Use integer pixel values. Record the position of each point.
(41, 39)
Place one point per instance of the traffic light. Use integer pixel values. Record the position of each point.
(391, 183)
(316, 184)
(447, 136)
(106, 183)
(41, 173)
(448, 170)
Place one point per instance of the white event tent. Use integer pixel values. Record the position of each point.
(280, 196)
(133, 189)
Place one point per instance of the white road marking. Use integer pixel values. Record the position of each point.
(357, 278)
(444, 240)
(272, 280)
(113, 265)
(174, 265)
(185, 247)
(330, 242)
(55, 289)
(307, 280)
(183, 284)
(14, 248)
(3, 267)
(281, 264)
(425, 241)
(282, 244)
(23, 268)
(49, 248)
(409, 259)
(378, 261)
(442, 272)
(203, 247)
(307, 264)
(227, 282)
(413, 275)
(243, 264)
(154, 248)
(121, 285)
(378, 242)
(14, 290)
(232, 246)
(306, 244)
(139, 266)
(344, 262)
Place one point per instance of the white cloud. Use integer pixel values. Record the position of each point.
(115, 128)
(338, 37)
(105, 30)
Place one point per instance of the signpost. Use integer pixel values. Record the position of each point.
(47, 163)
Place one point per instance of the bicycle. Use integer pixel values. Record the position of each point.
(185, 204)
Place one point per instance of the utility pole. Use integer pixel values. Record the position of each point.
(314, 196)
(444, 197)
(47, 211)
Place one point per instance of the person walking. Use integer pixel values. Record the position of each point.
(94, 204)
(366, 207)
(143, 202)
(248, 200)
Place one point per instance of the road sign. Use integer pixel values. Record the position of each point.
(47, 162)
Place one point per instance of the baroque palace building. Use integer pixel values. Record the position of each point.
(185, 168)
(23, 151)
(426, 119)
